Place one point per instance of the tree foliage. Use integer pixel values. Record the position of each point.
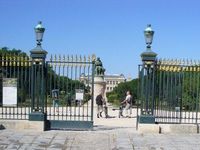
(12, 52)
(119, 93)
(22, 72)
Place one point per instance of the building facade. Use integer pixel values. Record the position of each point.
(111, 80)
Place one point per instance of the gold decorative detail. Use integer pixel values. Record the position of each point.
(198, 69)
(6, 60)
(9, 60)
(22, 61)
(25, 61)
(2, 60)
(93, 57)
(18, 61)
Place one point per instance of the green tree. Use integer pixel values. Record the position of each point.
(6, 51)
(12, 67)
(119, 93)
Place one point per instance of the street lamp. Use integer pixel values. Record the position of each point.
(148, 79)
(39, 31)
(38, 51)
(148, 57)
(148, 34)
(38, 77)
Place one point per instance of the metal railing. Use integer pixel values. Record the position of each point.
(68, 91)
(15, 87)
(173, 91)
(74, 94)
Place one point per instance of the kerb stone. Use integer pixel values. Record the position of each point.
(179, 128)
(22, 125)
(148, 128)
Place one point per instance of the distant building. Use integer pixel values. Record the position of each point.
(129, 78)
(111, 80)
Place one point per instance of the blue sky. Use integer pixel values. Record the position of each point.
(111, 29)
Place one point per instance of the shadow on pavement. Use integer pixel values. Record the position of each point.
(103, 128)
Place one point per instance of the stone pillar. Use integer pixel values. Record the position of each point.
(99, 83)
(148, 91)
(38, 78)
(99, 86)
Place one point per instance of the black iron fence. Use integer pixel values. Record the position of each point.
(66, 96)
(69, 97)
(15, 87)
(170, 91)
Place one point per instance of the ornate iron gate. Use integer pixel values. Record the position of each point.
(170, 91)
(50, 91)
(69, 99)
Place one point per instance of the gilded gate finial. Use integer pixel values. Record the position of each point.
(2, 60)
(6, 60)
(93, 57)
(25, 61)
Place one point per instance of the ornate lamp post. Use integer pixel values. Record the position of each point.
(39, 31)
(38, 51)
(148, 79)
(148, 56)
(38, 68)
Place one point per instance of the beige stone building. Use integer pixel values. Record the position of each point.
(111, 80)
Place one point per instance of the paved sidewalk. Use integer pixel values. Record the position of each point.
(109, 134)
(102, 138)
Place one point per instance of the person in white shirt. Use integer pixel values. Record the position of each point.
(128, 102)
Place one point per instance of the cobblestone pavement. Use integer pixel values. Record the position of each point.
(109, 134)
(102, 138)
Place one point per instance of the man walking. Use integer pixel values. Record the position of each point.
(99, 102)
(128, 102)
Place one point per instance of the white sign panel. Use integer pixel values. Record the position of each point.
(79, 94)
(9, 91)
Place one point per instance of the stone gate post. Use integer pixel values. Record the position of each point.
(99, 83)
(38, 76)
(147, 78)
